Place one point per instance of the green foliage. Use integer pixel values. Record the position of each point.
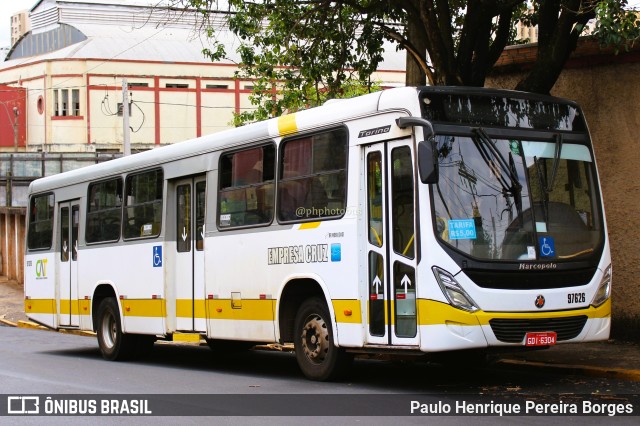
(299, 53)
(616, 25)
(271, 101)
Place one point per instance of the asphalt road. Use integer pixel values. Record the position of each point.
(41, 362)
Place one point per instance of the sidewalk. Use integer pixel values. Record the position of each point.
(611, 359)
(11, 301)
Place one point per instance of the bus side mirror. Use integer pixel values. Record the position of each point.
(427, 149)
(428, 161)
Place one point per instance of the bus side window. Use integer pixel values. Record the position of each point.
(143, 204)
(312, 177)
(40, 234)
(246, 187)
(104, 211)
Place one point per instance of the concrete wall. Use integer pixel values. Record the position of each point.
(608, 89)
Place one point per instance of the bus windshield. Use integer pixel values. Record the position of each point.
(516, 199)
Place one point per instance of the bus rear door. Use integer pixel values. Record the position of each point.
(188, 277)
(68, 227)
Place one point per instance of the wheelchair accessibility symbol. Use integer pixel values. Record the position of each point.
(547, 247)
(157, 256)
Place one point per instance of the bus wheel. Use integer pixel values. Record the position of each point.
(114, 344)
(317, 356)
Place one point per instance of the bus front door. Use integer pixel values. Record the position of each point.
(68, 226)
(190, 202)
(390, 249)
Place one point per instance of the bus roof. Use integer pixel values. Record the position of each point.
(301, 121)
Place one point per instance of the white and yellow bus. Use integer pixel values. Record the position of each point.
(410, 220)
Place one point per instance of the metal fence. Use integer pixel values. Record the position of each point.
(18, 170)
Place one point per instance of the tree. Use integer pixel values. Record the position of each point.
(305, 51)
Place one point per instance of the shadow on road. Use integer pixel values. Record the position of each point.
(376, 375)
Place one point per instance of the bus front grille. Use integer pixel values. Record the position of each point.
(513, 330)
(516, 280)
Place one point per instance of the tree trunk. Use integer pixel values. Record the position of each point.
(415, 75)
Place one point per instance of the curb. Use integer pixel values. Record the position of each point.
(7, 322)
(586, 370)
(34, 326)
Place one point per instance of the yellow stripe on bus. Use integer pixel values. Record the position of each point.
(143, 307)
(309, 225)
(69, 307)
(85, 306)
(431, 312)
(347, 311)
(256, 310)
(40, 306)
(287, 124)
(185, 308)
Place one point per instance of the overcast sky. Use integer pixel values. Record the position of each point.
(10, 7)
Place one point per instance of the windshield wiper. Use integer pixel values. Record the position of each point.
(556, 162)
(543, 187)
(490, 154)
(547, 185)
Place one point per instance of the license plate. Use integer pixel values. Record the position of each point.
(540, 339)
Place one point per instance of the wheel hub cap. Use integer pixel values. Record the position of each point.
(315, 338)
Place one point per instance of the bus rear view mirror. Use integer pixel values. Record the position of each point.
(428, 161)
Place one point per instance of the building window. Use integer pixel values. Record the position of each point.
(75, 102)
(217, 86)
(246, 194)
(176, 86)
(56, 103)
(138, 84)
(66, 102)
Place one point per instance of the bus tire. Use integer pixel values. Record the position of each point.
(114, 344)
(318, 357)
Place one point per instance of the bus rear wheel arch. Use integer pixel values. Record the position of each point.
(114, 344)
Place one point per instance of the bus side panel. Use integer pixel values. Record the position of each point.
(329, 256)
(136, 271)
(40, 288)
(239, 305)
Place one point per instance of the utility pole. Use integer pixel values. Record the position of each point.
(15, 128)
(125, 118)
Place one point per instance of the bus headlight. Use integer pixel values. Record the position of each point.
(453, 291)
(604, 289)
